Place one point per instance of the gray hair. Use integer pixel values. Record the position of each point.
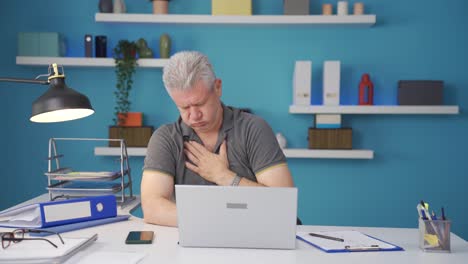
(185, 68)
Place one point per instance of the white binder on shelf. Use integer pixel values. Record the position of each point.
(302, 83)
(327, 121)
(331, 82)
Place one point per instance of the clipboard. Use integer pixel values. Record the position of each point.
(354, 241)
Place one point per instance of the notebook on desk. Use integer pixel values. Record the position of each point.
(31, 251)
(238, 217)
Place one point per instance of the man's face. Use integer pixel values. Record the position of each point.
(200, 106)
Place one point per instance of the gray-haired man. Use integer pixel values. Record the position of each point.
(209, 144)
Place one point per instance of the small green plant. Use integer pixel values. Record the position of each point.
(125, 62)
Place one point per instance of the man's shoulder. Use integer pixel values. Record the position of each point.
(167, 127)
(165, 135)
(248, 119)
(167, 130)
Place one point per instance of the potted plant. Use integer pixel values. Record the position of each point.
(127, 125)
(125, 64)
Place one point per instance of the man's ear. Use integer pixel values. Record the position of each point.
(218, 87)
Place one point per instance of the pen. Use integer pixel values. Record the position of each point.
(443, 213)
(423, 213)
(418, 208)
(433, 216)
(425, 205)
(327, 237)
(372, 247)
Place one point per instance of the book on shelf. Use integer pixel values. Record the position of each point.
(302, 83)
(331, 82)
(327, 121)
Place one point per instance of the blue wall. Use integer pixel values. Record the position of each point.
(416, 157)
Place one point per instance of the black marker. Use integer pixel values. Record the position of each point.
(327, 237)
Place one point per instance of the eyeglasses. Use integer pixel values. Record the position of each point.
(17, 236)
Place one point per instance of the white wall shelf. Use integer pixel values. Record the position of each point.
(289, 153)
(379, 109)
(329, 153)
(351, 20)
(85, 62)
(113, 151)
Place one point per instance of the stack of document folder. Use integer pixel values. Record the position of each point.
(67, 174)
(62, 216)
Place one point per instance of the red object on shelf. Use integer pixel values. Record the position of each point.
(366, 90)
(130, 119)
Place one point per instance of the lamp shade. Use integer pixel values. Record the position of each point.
(60, 103)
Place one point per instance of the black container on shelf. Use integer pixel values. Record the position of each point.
(88, 45)
(101, 46)
(420, 92)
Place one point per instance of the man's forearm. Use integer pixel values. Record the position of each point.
(229, 178)
(161, 211)
(247, 182)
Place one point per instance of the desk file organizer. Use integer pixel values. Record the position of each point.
(434, 235)
(64, 182)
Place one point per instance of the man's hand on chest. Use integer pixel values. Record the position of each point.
(211, 166)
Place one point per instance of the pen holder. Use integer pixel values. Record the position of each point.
(434, 235)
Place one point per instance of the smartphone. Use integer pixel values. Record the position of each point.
(139, 237)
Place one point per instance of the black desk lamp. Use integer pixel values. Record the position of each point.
(59, 103)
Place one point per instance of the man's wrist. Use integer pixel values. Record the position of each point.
(236, 180)
(229, 177)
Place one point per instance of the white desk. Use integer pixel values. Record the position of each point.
(164, 249)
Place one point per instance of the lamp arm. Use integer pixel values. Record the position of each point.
(45, 82)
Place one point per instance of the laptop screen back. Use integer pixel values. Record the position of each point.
(240, 217)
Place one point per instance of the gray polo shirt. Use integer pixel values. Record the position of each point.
(251, 147)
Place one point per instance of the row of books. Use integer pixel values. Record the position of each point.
(302, 89)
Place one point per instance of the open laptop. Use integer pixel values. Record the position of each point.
(238, 217)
